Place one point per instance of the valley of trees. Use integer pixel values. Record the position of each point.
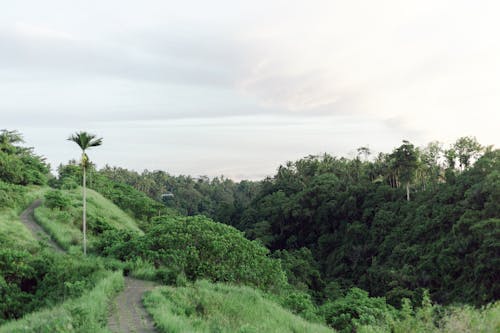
(394, 224)
(405, 241)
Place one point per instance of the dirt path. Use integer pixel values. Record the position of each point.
(37, 231)
(129, 314)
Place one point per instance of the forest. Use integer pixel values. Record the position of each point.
(402, 241)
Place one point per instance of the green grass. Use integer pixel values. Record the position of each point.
(141, 269)
(13, 233)
(206, 307)
(65, 225)
(88, 313)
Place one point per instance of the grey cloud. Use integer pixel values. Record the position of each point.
(71, 58)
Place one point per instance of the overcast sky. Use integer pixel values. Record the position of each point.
(237, 88)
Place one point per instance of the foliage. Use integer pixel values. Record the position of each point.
(30, 281)
(206, 307)
(355, 309)
(85, 141)
(219, 198)
(65, 225)
(19, 165)
(431, 318)
(361, 232)
(13, 199)
(200, 248)
(300, 303)
(86, 314)
(132, 201)
(12, 196)
(301, 269)
(56, 199)
(331, 225)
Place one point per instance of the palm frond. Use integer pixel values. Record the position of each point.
(85, 140)
(95, 142)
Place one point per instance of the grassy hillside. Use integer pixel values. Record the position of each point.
(206, 307)
(62, 219)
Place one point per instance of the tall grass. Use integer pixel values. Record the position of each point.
(86, 314)
(206, 307)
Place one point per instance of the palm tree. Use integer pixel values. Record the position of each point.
(85, 141)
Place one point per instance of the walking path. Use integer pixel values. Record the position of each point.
(27, 218)
(130, 314)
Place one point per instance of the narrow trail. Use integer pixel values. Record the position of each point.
(27, 218)
(130, 315)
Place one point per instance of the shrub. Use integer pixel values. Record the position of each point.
(12, 196)
(199, 248)
(300, 303)
(57, 199)
(356, 309)
(22, 167)
(29, 281)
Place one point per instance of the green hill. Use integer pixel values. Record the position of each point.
(61, 216)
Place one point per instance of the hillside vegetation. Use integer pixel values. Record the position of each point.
(406, 242)
(396, 225)
(33, 277)
(13, 199)
(87, 313)
(205, 307)
(61, 216)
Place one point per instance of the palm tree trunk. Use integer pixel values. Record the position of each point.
(84, 214)
(408, 191)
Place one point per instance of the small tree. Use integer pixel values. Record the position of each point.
(85, 141)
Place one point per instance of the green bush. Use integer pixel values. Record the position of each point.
(29, 281)
(57, 199)
(12, 196)
(300, 303)
(23, 167)
(356, 309)
(200, 248)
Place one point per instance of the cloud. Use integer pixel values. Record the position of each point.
(421, 70)
(52, 54)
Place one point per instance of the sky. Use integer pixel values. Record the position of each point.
(236, 88)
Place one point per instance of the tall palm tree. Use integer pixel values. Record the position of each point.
(85, 141)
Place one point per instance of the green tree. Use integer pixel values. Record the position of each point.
(467, 150)
(406, 159)
(85, 141)
(8, 139)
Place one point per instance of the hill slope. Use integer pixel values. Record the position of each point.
(206, 307)
(62, 216)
